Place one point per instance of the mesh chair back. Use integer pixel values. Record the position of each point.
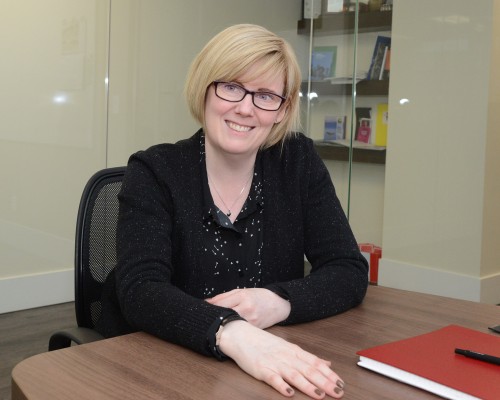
(95, 253)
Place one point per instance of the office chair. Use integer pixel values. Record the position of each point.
(95, 254)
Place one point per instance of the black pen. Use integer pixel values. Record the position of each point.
(479, 356)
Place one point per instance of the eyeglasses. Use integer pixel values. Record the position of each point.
(235, 93)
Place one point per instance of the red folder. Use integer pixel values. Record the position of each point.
(429, 362)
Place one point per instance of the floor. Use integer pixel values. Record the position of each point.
(26, 333)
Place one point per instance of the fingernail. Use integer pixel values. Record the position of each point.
(338, 390)
(289, 390)
(318, 392)
(340, 384)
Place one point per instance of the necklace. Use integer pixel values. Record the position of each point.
(237, 197)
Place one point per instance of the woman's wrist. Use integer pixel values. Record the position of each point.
(215, 331)
(228, 338)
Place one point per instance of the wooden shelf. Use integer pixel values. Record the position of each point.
(363, 88)
(343, 23)
(341, 153)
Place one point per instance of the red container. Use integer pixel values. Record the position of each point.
(373, 254)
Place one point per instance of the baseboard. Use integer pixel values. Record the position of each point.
(443, 283)
(490, 289)
(30, 291)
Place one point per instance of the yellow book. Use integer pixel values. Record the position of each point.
(381, 125)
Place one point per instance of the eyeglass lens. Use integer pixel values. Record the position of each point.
(232, 92)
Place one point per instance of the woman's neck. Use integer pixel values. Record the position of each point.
(229, 178)
(229, 167)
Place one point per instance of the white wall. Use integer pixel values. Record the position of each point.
(438, 204)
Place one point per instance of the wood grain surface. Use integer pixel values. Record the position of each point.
(140, 366)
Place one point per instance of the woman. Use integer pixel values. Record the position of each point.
(213, 229)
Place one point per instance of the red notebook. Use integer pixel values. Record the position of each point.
(429, 362)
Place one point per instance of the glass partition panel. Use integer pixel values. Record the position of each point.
(346, 105)
(52, 129)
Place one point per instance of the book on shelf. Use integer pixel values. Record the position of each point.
(381, 124)
(382, 65)
(363, 124)
(323, 62)
(335, 128)
(429, 362)
(334, 6)
(364, 131)
(380, 55)
(385, 73)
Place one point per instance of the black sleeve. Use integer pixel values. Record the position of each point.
(148, 300)
(339, 274)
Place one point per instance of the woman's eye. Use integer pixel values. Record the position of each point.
(231, 88)
(265, 96)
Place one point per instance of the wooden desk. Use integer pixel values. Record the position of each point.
(139, 366)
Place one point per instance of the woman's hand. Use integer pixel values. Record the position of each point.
(261, 307)
(279, 363)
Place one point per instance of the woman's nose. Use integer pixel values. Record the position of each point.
(246, 105)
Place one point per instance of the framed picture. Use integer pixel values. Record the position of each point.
(323, 62)
(334, 6)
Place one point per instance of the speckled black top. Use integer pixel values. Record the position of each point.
(158, 285)
(232, 252)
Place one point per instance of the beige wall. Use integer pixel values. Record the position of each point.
(442, 171)
(491, 215)
(52, 137)
(52, 128)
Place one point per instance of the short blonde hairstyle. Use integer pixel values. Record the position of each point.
(230, 54)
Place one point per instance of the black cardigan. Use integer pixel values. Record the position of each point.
(159, 243)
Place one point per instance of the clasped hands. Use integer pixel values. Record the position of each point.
(266, 357)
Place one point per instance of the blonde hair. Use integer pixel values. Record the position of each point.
(230, 54)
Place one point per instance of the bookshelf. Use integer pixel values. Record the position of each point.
(332, 24)
(332, 151)
(344, 23)
(363, 88)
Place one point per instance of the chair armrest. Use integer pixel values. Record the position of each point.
(62, 339)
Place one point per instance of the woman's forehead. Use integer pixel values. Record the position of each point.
(258, 75)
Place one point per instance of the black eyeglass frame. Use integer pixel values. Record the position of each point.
(216, 83)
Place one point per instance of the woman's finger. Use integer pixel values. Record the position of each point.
(318, 372)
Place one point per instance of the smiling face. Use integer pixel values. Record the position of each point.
(241, 128)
